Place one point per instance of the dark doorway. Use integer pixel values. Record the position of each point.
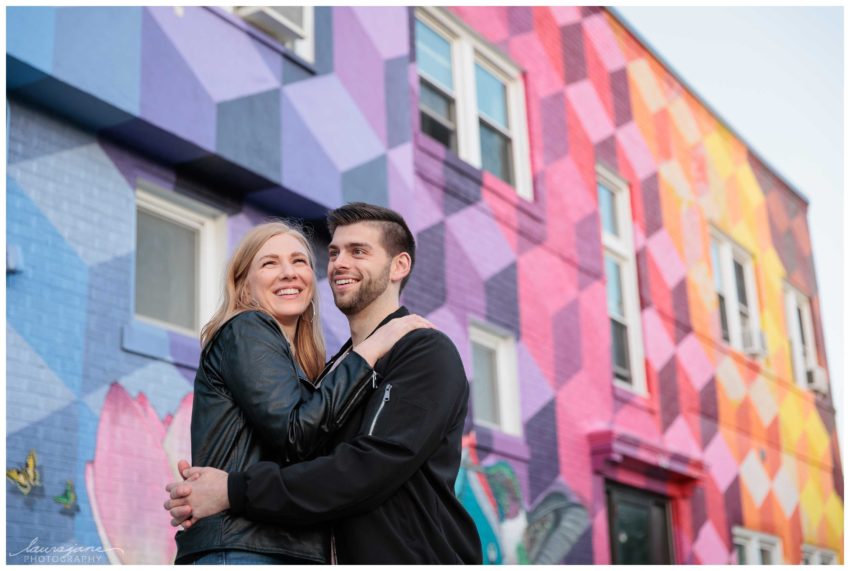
(639, 525)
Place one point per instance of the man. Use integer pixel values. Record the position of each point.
(388, 484)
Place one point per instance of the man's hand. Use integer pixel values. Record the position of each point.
(202, 494)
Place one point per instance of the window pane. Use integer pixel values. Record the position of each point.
(724, 320)
(496, 153)
(166, 255)
(620, 351)
(715, 267)
(766, 556)
(802, 335)
(438, 131)
(492, 98)
(746, 329)
(614, 285)
(485, 398)
(741, 554)
(607, 210)
(740, 284)
(434, 55)
(436, 102)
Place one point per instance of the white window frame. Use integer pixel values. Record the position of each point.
(752, 541)
(622, 248)
(305, 48)
(728, 252)
(211, 225)
(469, 48)
(818, 555)
(503, 345)
(800, 363)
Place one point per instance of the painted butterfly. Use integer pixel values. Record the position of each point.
(69, 498)
(26, 478)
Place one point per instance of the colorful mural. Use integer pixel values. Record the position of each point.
(197, 103)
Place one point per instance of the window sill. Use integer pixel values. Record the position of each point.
(494, 440)
(634, 398)
(466, 182)
(159, 343)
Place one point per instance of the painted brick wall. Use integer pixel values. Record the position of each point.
(106, 401)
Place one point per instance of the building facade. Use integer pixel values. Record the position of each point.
(631, 289)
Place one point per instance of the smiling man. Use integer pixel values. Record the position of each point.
(387, 485)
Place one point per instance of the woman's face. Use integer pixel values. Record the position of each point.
(281, 280)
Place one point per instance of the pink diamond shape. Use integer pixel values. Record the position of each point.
(694, 361)
(710, 547)
(720, 462)
(659, 348)
(591, 112)
(666, 258)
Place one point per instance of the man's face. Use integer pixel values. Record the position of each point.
(358, 266)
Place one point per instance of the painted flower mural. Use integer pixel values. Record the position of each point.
(135, 457)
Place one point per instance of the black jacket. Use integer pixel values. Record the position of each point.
(252, 403)
(388, 485)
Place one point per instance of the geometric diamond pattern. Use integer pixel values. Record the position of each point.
(755, 478)
(194, 103)
(785, 486)
(720, 462)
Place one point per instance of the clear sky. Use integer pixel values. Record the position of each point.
(775, 75)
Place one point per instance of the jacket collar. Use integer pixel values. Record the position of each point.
(400, 312)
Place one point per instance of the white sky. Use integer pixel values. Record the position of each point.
(775, 75)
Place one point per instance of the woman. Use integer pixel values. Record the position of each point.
(254, 393)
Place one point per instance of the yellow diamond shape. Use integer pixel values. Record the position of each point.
(791, 421)
(811, 508)
(834, 515)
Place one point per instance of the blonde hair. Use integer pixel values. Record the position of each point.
(309, 344)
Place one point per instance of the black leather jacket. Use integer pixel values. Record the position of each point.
(388, 484)
(252, 403)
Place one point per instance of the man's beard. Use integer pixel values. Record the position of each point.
(369, 290)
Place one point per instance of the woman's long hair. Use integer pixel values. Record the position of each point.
(308, 345)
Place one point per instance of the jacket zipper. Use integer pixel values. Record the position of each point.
(380, 408)
(349, 406)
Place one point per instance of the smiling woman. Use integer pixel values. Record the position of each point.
(282, 282)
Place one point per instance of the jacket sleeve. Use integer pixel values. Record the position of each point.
(258, 369)
(428, 397)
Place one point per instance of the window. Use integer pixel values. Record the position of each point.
(756, 548)
(734, 284)
(801, 338)
(621, 281)
(471, 98)
(495, 390)
(292, 26)
(178, 260)
(813, 555)
(639, 524)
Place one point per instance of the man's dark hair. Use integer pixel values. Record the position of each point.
(396, 236)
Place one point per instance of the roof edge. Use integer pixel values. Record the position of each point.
(750, 148)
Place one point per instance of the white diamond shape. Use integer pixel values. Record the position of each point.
(763, 400)
(755, 478)
(785, 485)
(728, 376)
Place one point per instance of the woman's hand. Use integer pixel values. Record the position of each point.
(383, 339)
